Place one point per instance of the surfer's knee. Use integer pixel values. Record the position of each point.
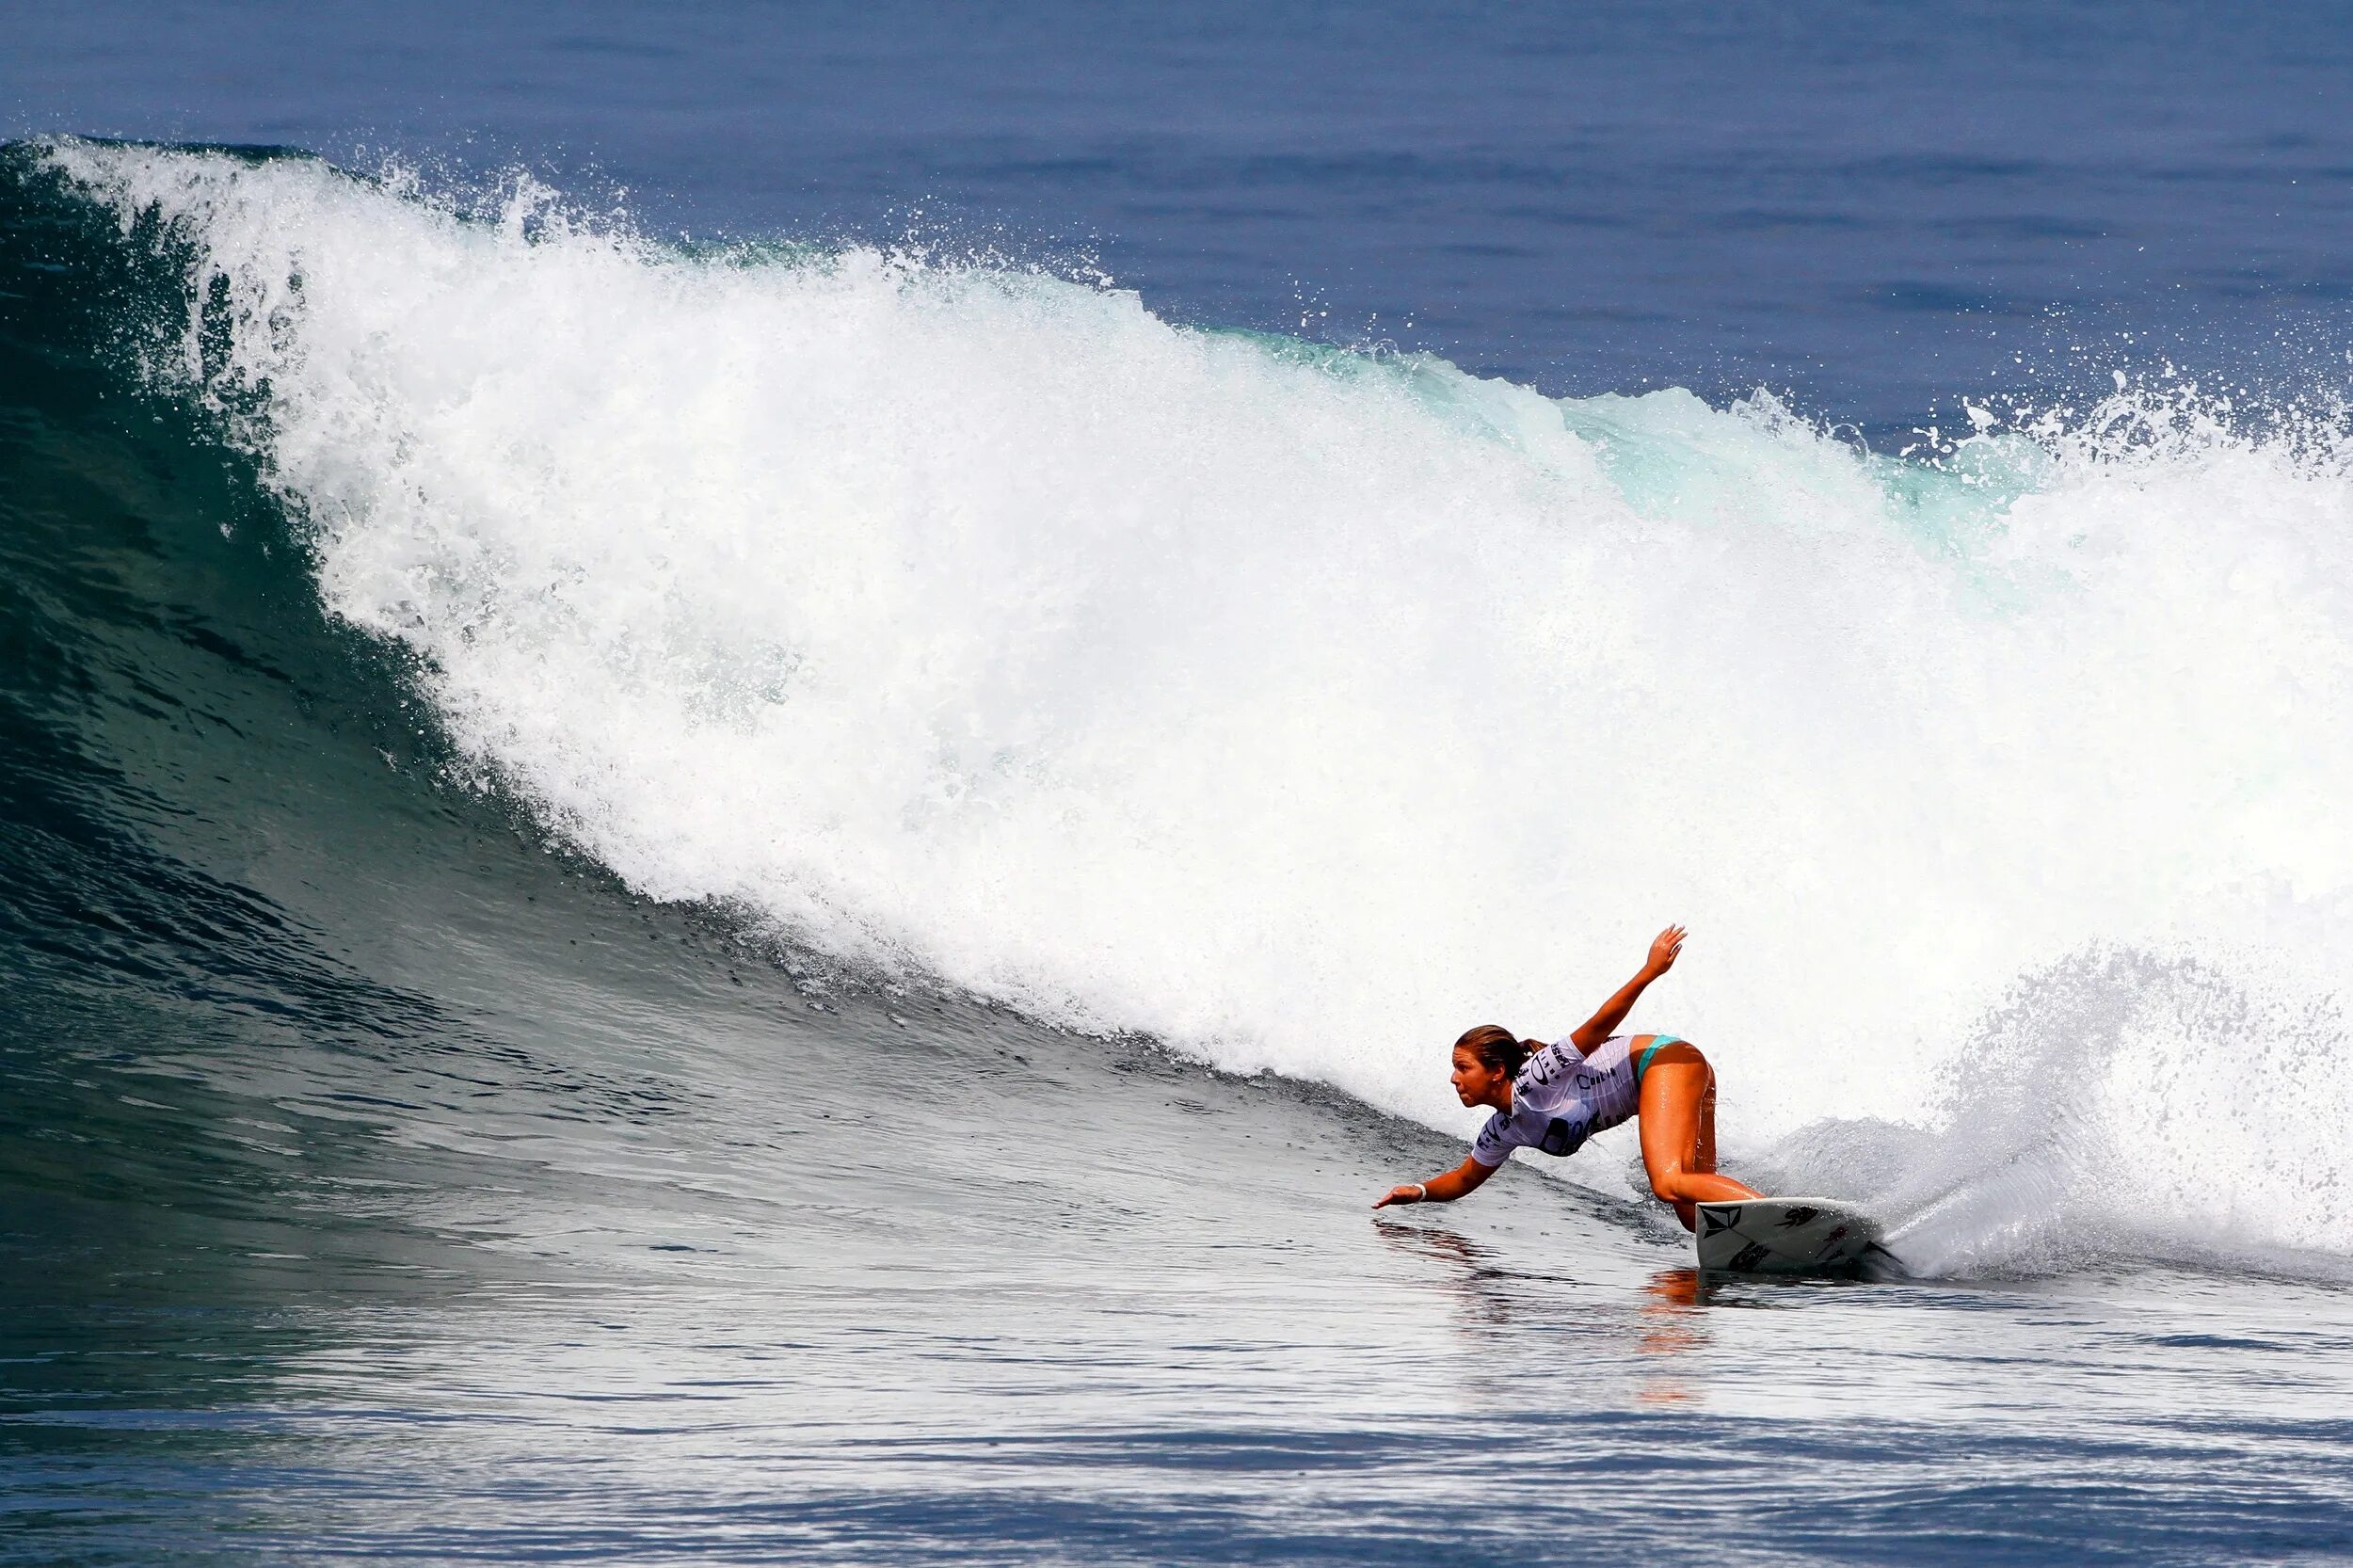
(1668, 1186)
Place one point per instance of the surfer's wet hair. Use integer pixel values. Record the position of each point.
(1497, 1049)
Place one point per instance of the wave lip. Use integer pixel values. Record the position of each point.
(1300, 707)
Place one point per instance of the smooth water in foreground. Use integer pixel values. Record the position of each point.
(657, 1319)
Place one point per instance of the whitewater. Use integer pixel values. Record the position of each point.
(1296, 707)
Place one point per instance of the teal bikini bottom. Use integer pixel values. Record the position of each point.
(1641, 1063)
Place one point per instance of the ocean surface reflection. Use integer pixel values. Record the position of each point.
(1125, 1363)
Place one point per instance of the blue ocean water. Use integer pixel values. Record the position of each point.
(1883, 207)
(754, 756)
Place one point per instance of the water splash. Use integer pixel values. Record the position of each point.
(1300, 707)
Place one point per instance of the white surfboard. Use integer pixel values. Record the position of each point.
(1783, 1236)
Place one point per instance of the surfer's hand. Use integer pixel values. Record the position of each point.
(1664, 952)
(1413, 1192)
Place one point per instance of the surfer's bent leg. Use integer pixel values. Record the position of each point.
(1678, 1131)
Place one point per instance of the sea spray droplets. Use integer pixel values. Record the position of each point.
(1303, 707)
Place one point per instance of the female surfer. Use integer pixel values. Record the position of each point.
(1553, 1097)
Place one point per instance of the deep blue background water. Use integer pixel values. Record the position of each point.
(1883, 207)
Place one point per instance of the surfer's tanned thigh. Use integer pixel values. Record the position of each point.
(1677, 1126)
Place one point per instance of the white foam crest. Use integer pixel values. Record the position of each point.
(1304, 708)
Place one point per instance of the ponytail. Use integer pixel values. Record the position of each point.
(1497, 1049)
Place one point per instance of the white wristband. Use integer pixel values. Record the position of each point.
(1421, 1193)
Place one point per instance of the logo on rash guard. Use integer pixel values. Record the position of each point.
(1562, 1136)
(1545, 1065)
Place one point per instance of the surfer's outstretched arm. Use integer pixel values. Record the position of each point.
(1461, 1181)
(1604, 1024)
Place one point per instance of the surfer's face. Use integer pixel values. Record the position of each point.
(1474, 1081)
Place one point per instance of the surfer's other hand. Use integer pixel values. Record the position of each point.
(1411, 1192)
(1664, 952)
